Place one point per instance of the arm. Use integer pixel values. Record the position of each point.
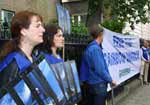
(9, 73)
(99, 65)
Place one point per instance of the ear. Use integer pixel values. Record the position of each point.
(23, 31)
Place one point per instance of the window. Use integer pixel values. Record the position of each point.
(6, 17)
(81, 18)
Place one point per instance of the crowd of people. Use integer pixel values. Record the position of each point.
(18, 54)
(29, 35)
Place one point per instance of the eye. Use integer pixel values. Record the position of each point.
(39, 25)
(60, 35)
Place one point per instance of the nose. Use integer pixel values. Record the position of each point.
(43, 29)
(63, 38)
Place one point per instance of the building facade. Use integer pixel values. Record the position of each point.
(140, 30)
(46, 8)
(77, 8)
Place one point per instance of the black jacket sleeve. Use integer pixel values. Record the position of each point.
(9, 73)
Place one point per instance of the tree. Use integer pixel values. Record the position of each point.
(131, 11)
(124, 10)
(95, 8)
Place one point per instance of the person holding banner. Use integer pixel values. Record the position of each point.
(149, 63)
(27, 32)
(94, 71)
(53, 40)
(145, 62)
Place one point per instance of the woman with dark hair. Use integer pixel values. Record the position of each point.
(53, 40)
(27, 32)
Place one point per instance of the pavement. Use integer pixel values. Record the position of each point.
(140, 96)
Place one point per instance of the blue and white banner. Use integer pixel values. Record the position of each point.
(122, 55)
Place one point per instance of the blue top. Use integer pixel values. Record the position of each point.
(51, 59)
(146, 54)
(22, 63)
(21, 88)
(93, 68)
(20, 59)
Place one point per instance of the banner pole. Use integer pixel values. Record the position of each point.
(63, 55)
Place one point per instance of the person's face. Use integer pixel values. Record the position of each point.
(101, 37)
(58, 39)
(145, 43)
(34, 34)
(148, 44)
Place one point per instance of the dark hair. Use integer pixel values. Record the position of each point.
(95, 30)
(50, 31)
(20, 20)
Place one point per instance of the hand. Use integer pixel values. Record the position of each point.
(113, 83)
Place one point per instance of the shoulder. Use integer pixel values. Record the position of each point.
(20, 60)
(7, 60)
(52, 59)
(93, 47)
(46, 55)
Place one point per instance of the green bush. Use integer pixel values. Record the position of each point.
(79, 29)
(114, 25)
(76, 28)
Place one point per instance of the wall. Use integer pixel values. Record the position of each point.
(46, 8)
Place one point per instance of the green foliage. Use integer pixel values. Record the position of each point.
(94, 12)
(93, 6)
(124, 10)
(79, 28)
(114, 25)
(131, 10)
(76, 28)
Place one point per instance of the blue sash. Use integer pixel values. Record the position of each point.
(51, 59)
(145, 53)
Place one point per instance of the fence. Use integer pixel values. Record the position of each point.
(74, 45)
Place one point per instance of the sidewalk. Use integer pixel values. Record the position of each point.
(140, 96)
